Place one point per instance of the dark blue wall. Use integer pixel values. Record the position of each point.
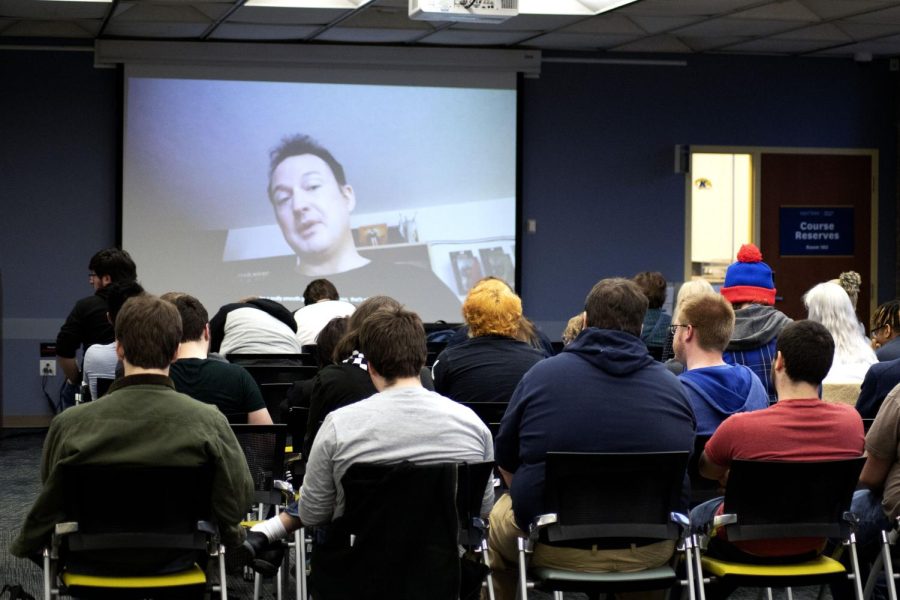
(598, 157)
(597, 173)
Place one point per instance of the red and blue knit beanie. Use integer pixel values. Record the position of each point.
(749, 279)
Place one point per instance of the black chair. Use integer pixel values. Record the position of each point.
(266, 359)
(275, 396)
(471, 482)
(398, 537)
(490, 413)
(769, 500)
(159, 540)
(609, 500)
(702, 489)
(264, 450)
(263, 374)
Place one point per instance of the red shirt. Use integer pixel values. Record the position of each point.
(801, 429)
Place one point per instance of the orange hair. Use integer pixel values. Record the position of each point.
(492, 308)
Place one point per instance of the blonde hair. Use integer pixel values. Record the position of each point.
(691, 288)
(712, 316)
(573, 328)
(492, 308)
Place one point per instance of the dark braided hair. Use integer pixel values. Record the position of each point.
(887, 314)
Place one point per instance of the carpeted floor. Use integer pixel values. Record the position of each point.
(20, 455)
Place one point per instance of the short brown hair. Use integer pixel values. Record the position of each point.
(492, 308)
(616, 303)
(712, 317)
(653, 284)
(193, 315)
(393, 342)
(319, 289)
(148, 330)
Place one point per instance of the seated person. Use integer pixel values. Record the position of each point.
(402, 422)
(321, 305)
(827, 303)
(489, 365)
(253, 326)
(703, 326)
(141, 421)
(100, 360)
(300, 393)
(228, 387)
(656, 321)
(880, 379)
(799, 427)
(886, 331)
(347, 381)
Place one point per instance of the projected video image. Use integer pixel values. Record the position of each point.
(250, 188)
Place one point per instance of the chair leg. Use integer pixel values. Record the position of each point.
(790, 593)
(300, 563)
(47, 576)
(523, 579)
(698, 570)
(689, 551)
(223, 582)
(854, 562)
(487, 563)
(888, 565)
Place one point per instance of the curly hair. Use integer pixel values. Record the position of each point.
(492, 308)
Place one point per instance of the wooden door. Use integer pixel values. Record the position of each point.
(810, 204)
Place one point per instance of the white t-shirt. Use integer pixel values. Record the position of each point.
(313, 318)
(99, 362)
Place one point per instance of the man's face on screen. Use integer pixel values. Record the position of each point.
(312, 208)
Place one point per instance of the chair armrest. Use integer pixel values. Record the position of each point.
(682, 521)
(851, 519)
(541, 521)
(65, 528)
(722, 520)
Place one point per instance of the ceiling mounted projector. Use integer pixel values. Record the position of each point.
(464, 11)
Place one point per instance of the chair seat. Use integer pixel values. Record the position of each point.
(813, 568)
(192, 576)
(658, 574)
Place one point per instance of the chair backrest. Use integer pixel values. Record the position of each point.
(263, 447)
(613, 495)
(269, 373)
(702, 489)
(403, 524)
(776, 499)
(471, 482)
(490, 413)
(297, 416)
(135, 519)
(103, 384)
(273, 395)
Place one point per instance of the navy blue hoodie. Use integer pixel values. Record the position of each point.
(602, 393)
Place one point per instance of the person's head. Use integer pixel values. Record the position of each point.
(492, 308)
(109, 265)
(616, 303)
(573, 328)
(193, 315)
(653, 284)
(827, 303)
(318, 290)
(116, 295)
(749, 280)
(393, 341)
(350, 341)
(311, 198)
(850, 281)
(328, 338)
(704, 319)
(805, 351)
(886, 322)
(692, 288)
(148, 331)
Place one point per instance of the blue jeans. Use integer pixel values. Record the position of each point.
(704, 513)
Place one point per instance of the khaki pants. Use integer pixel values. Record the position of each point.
(504, 555)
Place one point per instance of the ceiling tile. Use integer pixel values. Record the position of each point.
(252, 31)
(578, 41)
(373, 36)
(51, 29)
(773, 46)
(695, 8)
(890, 15)
(862, 31)
(736, 27)
(782, 11)
(833, 9)
(156, 29)
(824, 33)
(467, 37)
(658, 24)
(53, 11)
(286, 16)
(159, 13)
(700, 44)
(605, 23)
(656, 43)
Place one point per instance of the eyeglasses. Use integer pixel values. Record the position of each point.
(877, 329)
(673, 328)
(92, 275)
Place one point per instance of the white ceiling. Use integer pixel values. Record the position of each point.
(780, 27)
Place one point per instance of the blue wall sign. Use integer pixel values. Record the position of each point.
(816, 231)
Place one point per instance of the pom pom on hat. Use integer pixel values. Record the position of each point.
(749, 279)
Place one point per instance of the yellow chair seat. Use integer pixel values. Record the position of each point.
(820, 566)
(192, 576)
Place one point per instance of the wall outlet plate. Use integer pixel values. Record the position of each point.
(48, 368)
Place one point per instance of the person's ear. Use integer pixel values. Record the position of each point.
(120, 353)
(584, 323)
(205, 336)
(105, 280)
(350, 196)
(778, 363)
